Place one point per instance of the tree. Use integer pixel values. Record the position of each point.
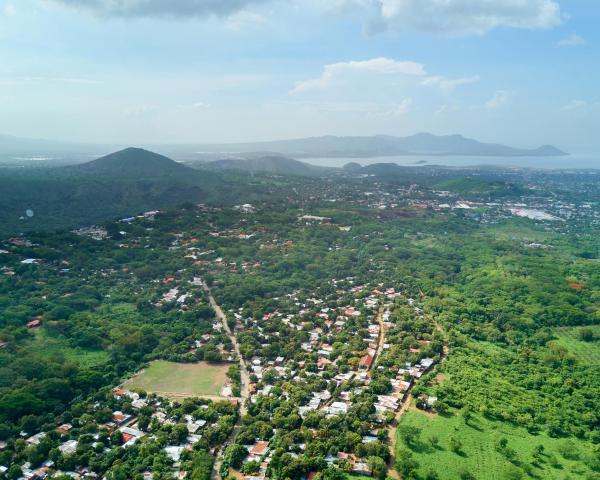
(587, 335)
(405, 463)
(409, 433)
(466, 475)
(467, 414)
(455, 444)
(251, 467)
(378, 466)
(235, 455)
(431, 475)
(179, 433)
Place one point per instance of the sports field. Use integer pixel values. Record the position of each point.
(180, 379)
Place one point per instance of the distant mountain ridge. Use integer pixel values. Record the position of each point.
(383, 145)
(324, 146)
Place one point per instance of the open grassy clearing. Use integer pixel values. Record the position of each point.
(47, 346)
(518, 230)
(180, 379)
(479, 455)
(587, 352)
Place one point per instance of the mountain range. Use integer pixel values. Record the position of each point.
(380, 146)
(325, 146)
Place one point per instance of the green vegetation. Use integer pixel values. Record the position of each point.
(585, 348)
(48, 347)
(178, 380)
(492, 450)
(471, 185)
(302, 283)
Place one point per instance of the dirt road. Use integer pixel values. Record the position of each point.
(245, 387)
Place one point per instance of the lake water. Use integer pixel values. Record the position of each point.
(568, 162)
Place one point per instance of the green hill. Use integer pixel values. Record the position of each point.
(117, 185)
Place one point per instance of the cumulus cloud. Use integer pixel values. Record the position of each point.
(378, 66)
(572, 40)
(176, 9)
(454, 17)
(500, 99)
(447, 85)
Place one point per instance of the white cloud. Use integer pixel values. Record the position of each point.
(399, 109)
(574, 105)
(572, 40)
(175, 9)
(500, 99)
(447, 85)
(244, 19)
(454, 17)
(377, 66)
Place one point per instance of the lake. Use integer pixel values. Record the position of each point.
(579, 161)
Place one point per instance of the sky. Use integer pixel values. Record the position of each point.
(520, 72)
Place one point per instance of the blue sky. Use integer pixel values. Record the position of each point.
(523, 72)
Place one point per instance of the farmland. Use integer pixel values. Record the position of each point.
(583, 351)
(480, 455)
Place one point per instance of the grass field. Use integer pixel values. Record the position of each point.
(47, 346)
(479, 455)
(588, 352)
(518, 230)
(180, 379)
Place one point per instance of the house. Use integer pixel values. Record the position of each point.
(259, 449)
(3, 344)
(174, 453)
(361, 468)
(119, 419)
(130, 435)
(64, 428)
(33, 324)
(322, 363)
(30, 261)
(69, 447)
(337, 408)
(365, 362)
(194, 425)
(36, 439)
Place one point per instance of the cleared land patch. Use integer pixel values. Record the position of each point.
(480, 456)
(47, 346)
(588, 352)
(180, 379)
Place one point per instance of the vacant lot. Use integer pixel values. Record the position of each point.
(479, 455)
(587, 352)
(180, 379)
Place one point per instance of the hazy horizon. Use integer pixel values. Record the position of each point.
(196, 71)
